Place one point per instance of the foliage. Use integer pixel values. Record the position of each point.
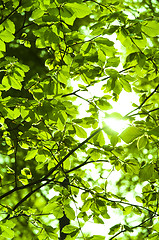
(52, 53)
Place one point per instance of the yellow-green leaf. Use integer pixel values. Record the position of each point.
(37, 13)
(69, 212)
(80, 10)
(6, 36)
(142, 141)
(80, 132)
(151, 28)
(130, 134)
(2, 46)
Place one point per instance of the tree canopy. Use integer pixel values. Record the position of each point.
(57, 167)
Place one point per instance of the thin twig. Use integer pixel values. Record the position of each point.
(150, 95)
(144, 113)
(139, 225)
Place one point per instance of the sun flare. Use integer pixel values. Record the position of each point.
(117, 125)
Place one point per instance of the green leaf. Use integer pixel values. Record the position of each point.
(80, 132)
(62, 117)
(102, 40)
(26, 172)
(51, 232)
(142, 142)
(113, 62)
(13, 114)
(112, 72)
(97, 237)
(84, 195)
(86, 205)
(51, 38)
(2, 46)
(103, 104)
(55, 208)
(97, 219)
(24, 112)
(154, 131)
(156, 227)
(6, 229)
(15, 83)
(69, 229)
(114, 140)
(94, 153)
(9, 81)
(80, 10)
(114, 229)
(67, 15)
(99, 139)
(37, 13)
(151, 28)
(126, 85)
(128, 210)
(6, 232)
(70, 214)
(131, 166)
(31, 154)
(6, 36)
(130, 134)
(9, 25)
(63, 74)
(40, 158)
(127, 228)
(146, 172)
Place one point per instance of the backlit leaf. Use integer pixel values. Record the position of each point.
(31, 154)
(151, 28)
(2, 46)
(69, 212)
(142, 141)
(6, 36)
(130, 134)
(80, 10)
(80, 132)
(37, 13)
(146, 172)
(154, 131)
(69, 229)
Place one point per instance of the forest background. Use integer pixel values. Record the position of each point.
(57, 167)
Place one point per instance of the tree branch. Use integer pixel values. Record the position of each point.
(70, 153)
(83, 164)
(25, 198)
